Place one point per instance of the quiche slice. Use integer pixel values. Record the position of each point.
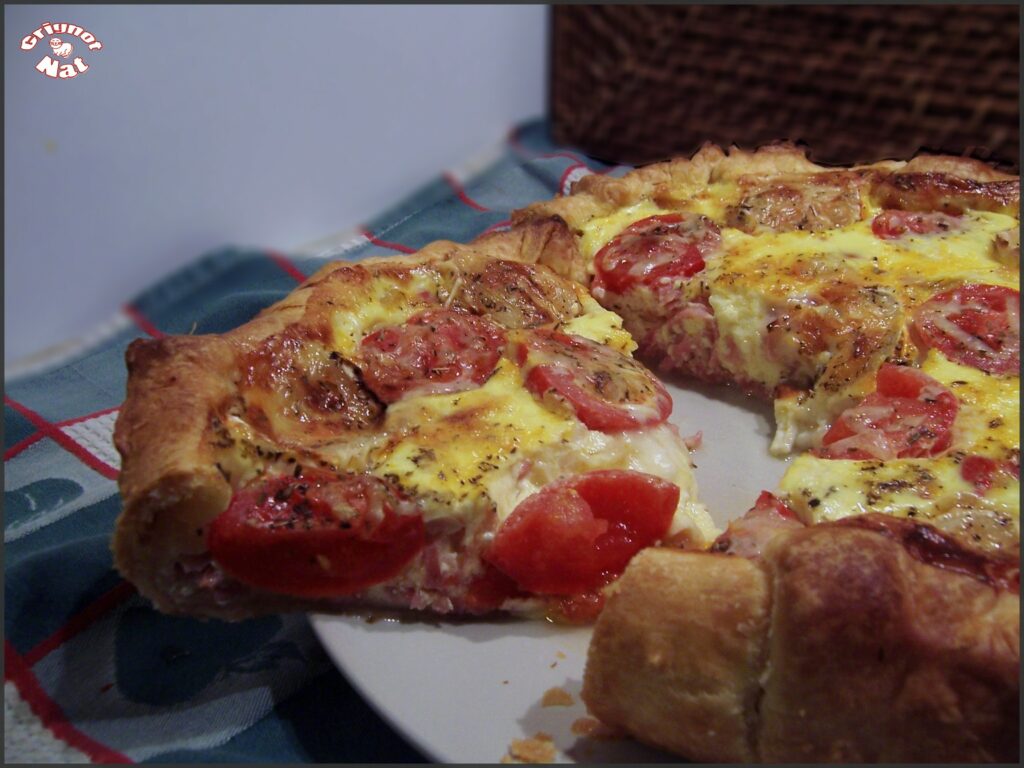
(457, 431)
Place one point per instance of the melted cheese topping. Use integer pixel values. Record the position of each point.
(987, 424)
(382, 303)
(466, 453)
(600, 325)
(753, 279)
(654, 450)
(449, 446)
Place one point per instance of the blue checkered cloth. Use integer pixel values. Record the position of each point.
(89, 660)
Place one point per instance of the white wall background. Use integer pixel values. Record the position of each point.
(201, 126)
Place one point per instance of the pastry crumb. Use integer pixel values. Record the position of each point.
(594, 729)
(538, 749)
(556, 697)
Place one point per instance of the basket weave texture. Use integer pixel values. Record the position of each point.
(633, 84)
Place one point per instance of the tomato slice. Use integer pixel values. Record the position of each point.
(575, 535)
(983, 471)
(319, 535)
(909, 415)
(608, 390)
(974, 324)
(437, 350)
(655, 250)
(894, 224)
(747, 536)
(489, 590)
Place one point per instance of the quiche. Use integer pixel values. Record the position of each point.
(456, 431)
(467, 430)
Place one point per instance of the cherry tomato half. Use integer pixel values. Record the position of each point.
(319, 535)
(437, 350)
(608, 390)
(575, 535)
(975, 325)
(894, 224)
(909, 415)
(656, 249)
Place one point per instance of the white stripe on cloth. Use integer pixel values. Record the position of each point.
(49, 484)
(27, 740)
(96, 435)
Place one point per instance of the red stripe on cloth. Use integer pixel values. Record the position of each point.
(50, 713)
(94, 415)
(513, 140)
(285, 263)
(140, 320)
(495, 226)
(21, 445)
(565, 176)
(461, 193)
(64, 441)
(81, 621)
(384, 243)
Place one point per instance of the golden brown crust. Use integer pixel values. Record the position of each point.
(869, 654)
(911, 662)
(179, 388)
(676, 653)
(169, 485)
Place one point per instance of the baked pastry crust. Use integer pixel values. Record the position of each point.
(843, 643)
(599, 195)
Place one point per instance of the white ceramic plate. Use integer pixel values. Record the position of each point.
(463, 691)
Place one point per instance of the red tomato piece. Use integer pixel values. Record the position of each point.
(747, 536)
(893, 224)
(318, 535)
(982, 471)
(655, 250)
(580, 609)
(437, 350)
(909, 415)
(974, 324)
(979, 471)
(489, 590)
(769, 504)
(575, 535)
(608, 390)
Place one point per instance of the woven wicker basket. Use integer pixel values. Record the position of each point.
(634, 84)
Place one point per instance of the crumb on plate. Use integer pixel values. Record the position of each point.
(537, 749)
(556, 697)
